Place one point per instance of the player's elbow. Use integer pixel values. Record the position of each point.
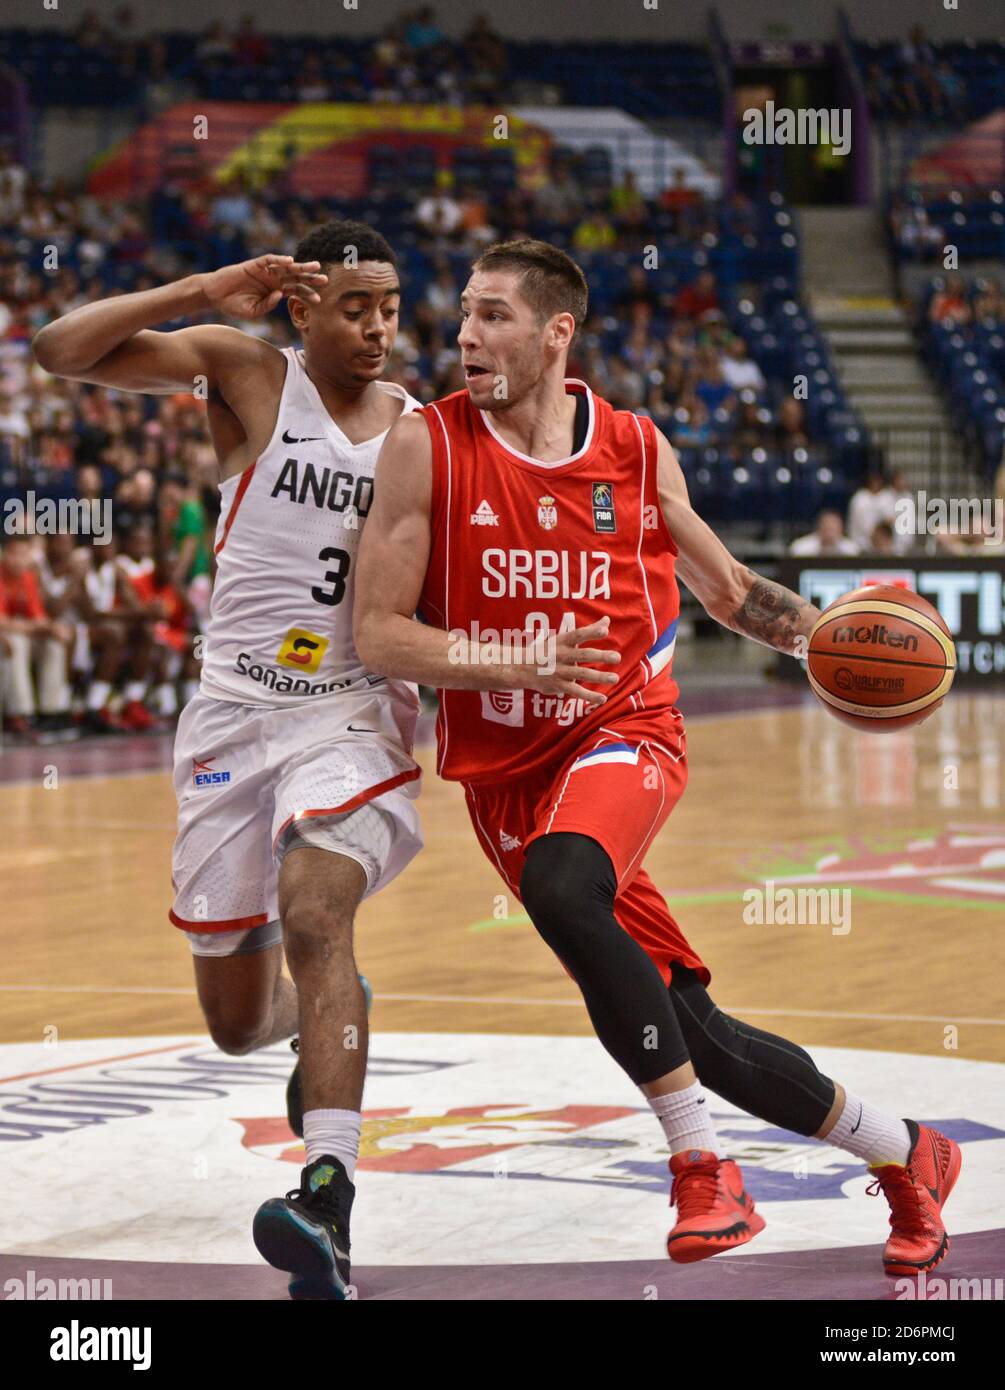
(45, 349)
(51, 350)
(369, 636)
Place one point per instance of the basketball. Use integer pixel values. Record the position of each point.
(881, 658)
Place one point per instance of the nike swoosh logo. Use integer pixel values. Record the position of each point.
(307, 439)
(861, 1108)
(934, 1192)
(353, 730)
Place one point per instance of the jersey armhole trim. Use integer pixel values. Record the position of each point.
(652, 446)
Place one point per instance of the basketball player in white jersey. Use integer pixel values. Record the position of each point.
(293, 766)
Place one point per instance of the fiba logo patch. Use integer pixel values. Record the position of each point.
(603, 507)
(547, 512)
(503, 707)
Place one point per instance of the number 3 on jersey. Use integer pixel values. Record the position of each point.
(336, 578)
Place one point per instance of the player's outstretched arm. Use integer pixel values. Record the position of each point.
(111, 342)
(393, 557)
(735, 596)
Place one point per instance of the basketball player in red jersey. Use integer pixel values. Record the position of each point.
(538, 532)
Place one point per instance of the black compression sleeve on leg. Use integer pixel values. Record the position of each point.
(568, 888)
(763, 1074)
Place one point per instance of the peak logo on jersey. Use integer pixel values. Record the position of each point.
(547, 513)
(503, 707)
(483, 515)
(603, 507)
(204, 775)
(302, 650)
(508, 843)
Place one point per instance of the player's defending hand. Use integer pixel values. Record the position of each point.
(251, 289)
(568, 664)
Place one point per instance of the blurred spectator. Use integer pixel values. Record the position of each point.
(626, 203)
(33, 645)
(881, 540)
(738, 370)
(13, 182)
(827, 539)
(989, 303)
(698, 298)
(214, 44)
(790, 426)
(560, 200)
(311, 83)
(873, 503)
(677, 197)
(438, 214)
(950, 303)
(422, 30)
(594, 233)
(250, 46)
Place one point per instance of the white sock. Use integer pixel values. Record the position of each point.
(686, 1121)
(135, 690)
(97, 694)
(869, 1133)
(334, 1132)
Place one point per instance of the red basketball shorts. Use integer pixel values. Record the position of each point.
(618, 789)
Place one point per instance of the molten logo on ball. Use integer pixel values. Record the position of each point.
(879, 634)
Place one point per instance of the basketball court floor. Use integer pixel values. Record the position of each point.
(504, 1154)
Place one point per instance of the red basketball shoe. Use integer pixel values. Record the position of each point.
(917, 1193)
(714, 1212)
(136, 717)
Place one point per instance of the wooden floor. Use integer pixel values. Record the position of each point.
(776, 795)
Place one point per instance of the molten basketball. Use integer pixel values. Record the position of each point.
(881, 658)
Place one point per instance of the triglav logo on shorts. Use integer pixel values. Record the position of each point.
(204, 775)
(302, 650)
(547, 512)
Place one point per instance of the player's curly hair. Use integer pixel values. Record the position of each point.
(332, 241)
(551, 281)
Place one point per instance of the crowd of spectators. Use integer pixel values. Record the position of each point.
(101, 637)
(916, 83)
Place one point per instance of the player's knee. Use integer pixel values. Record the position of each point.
(236, 1034)
(315, 936)
(565, 877)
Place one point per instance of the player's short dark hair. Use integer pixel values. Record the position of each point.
(330, 242)
(550, 281)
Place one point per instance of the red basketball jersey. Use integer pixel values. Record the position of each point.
(519, 545)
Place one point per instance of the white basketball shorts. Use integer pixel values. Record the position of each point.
(254, 781)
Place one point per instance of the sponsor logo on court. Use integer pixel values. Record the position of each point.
(552, 1119)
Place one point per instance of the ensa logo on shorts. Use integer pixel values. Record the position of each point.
(203, 774)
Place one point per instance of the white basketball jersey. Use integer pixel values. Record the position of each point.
(280, 624)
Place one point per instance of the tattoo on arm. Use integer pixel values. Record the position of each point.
(774, 615)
